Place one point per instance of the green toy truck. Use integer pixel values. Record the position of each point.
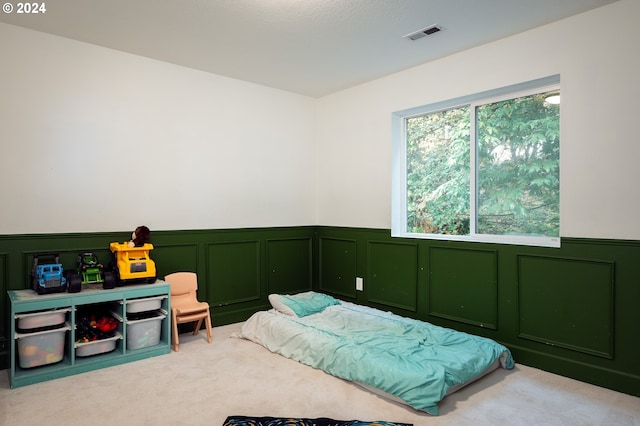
(90, 271)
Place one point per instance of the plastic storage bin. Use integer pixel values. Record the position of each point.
(42, 347)
(97, 346)
(145, 332)
(42, 320)
(144, 304)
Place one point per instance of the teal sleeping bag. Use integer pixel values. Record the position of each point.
(412, 360)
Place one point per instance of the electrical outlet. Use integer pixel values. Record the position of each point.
(359, 284)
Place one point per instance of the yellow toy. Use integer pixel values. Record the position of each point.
(133, 263)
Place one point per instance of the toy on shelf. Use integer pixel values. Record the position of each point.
(48, 277)
(140, 236)
(132, 261)
(95, 327)
(89, 271)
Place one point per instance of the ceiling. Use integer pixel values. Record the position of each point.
(310, 47)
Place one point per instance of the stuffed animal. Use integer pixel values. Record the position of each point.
(140, 236)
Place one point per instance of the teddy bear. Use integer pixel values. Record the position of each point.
(140, 236)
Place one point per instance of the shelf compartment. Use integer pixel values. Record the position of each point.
(42, 347)
(145, 332)
(41, 320)
(97, 347)
(144, 304)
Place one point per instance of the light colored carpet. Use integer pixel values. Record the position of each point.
(204, 383)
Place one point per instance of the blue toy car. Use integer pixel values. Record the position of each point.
(48, 277)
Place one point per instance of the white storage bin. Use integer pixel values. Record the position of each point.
(97, 346)
(42, 347)
(144, 304)
(145, 332)
(43, 319)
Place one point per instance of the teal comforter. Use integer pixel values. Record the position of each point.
(412, 360)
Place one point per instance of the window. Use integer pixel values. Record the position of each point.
(480, 168)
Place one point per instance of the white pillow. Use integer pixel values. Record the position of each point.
(278, 305)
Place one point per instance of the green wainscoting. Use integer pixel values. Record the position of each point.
(289, 263)
(582, 309)
(337, 266)
(571, 310)
(237, 269)
(392, 274)
(463, 285)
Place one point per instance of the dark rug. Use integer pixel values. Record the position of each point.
(283, 421)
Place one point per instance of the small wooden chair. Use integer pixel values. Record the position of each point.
(185, 306)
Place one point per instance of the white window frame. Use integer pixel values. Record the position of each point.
(399, 164)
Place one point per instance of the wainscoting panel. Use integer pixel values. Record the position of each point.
(567, 303)
(233, 271)
(289, 265)
(338, 266)
(463, 285)
(392, 274)
(171, 258)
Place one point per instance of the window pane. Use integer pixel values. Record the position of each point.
(518, 155)
(438, 170)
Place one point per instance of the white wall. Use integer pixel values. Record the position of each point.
(597, 57)
(94, 139)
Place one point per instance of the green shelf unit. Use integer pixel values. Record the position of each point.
(27, 301)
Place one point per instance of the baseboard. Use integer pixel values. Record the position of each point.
(582, 371)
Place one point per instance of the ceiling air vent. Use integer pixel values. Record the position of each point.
(430, 30)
